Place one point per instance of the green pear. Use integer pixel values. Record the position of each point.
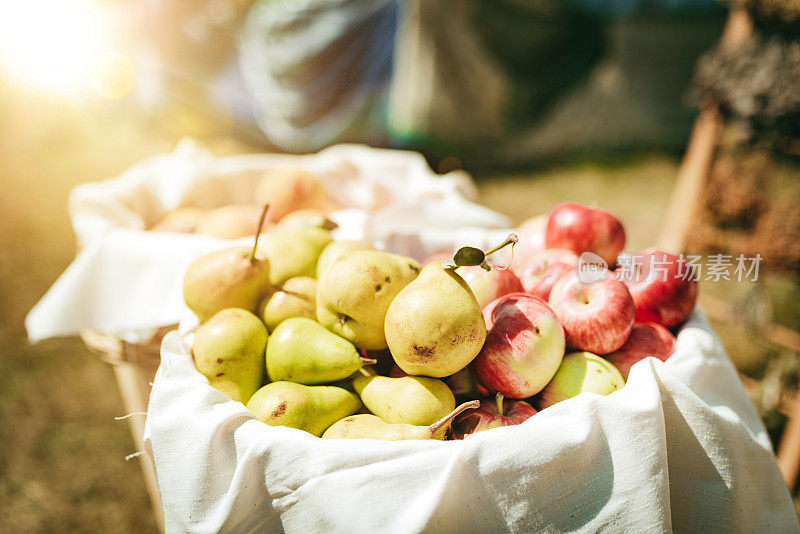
(434, 326)
(309, 408)
(302, 351)
(580, 372)
(354, 293)
(415, 400)
(228, 278)
(228, 349)
(293, 252)
(297, 297)
(306, 218)
(336, 250)
(373, 427)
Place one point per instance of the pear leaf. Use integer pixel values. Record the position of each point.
(468, 256)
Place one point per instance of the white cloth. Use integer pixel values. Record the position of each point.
(127, 280)
(680, 448)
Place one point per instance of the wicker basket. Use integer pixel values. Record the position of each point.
(134, 366)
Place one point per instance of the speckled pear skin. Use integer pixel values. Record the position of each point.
(309, 408)
(225, 279)
(336, 250)
(354, 293)
(373, 427)
(228, 349)
(297, 297)
(302, 351)
(414, 400)
(293, 252)
(434, 327)
(581, 372)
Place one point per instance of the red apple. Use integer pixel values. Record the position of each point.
(491, 414)
(646, 339)
(597, 316)
(489, 285)
(545, 268)
(582, 228)
(663, 287)
(523, 349)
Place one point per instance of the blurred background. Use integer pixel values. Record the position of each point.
(681, 116)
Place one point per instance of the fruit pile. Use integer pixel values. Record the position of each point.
(296, 197)
(354, 342)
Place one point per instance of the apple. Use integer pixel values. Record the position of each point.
(663, 287)
(490, 285)
(523, 349)
(582, 228)
(596, 316)
(530, 235)
(545, 268)
(491, 415)
(581, 372)
(646, 339)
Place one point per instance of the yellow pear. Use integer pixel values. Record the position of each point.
(228, 349)
(297, 297)
(293, 252)
(373, 427)
(182, 220)
(415, 400)
(336, 250)
(230, 278)
(434, 326)
(230, 222)
(309, 408)
(354, 293)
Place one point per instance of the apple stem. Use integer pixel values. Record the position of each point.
(258, 231)
(499, 399)
(435, 427)
(368, 361)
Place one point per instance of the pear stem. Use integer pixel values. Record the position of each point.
(368, 361)
(364, 372)
(499, 399)
(258, 231)
(435, 427)
(512, 239)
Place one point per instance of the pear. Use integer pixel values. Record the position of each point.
(309, 408)
(306, 218)
(434, 326)
(373, 427)
(228, 278)
(230, 222)
(336, 250)
(581, 372)
(297, 297)
(415, 400)
(182, 220)
(354, 293)
(228, 349)
(293, 252)
(302, 351)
